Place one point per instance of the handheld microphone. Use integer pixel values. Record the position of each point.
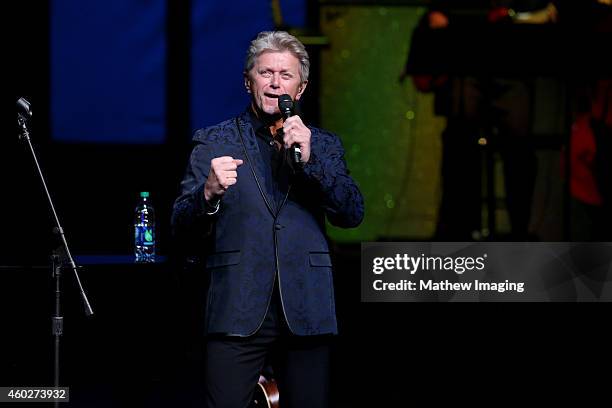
(285, 105)
(23, 106)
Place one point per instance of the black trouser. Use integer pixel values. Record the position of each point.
(300, 365)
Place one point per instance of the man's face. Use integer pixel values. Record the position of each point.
(274, 74)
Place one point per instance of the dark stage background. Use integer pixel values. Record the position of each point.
(142, 348)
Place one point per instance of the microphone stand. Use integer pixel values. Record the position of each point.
(58, 257)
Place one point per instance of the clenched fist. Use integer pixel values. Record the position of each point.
(223, 173)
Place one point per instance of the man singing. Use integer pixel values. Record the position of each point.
(271, 297)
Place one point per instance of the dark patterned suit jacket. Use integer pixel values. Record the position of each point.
(254, 239)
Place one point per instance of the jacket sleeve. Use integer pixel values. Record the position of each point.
(342, 200)
(189, 214)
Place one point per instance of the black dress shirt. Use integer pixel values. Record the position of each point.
(273, 154)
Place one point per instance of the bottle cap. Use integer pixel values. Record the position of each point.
(144, 194)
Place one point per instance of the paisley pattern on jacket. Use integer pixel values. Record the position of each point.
(253, 239)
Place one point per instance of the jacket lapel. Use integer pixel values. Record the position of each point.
(285, 179)
(256, 161)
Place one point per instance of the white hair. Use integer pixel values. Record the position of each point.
(278, 41)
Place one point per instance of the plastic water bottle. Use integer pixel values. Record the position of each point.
(144, 230)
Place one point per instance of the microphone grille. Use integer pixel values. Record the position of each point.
(285, 103)
(24, 106)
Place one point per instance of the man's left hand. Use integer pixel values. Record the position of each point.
(295, 132)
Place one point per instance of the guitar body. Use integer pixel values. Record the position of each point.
(266, 394)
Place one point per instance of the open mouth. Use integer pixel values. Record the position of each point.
(269, 95)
